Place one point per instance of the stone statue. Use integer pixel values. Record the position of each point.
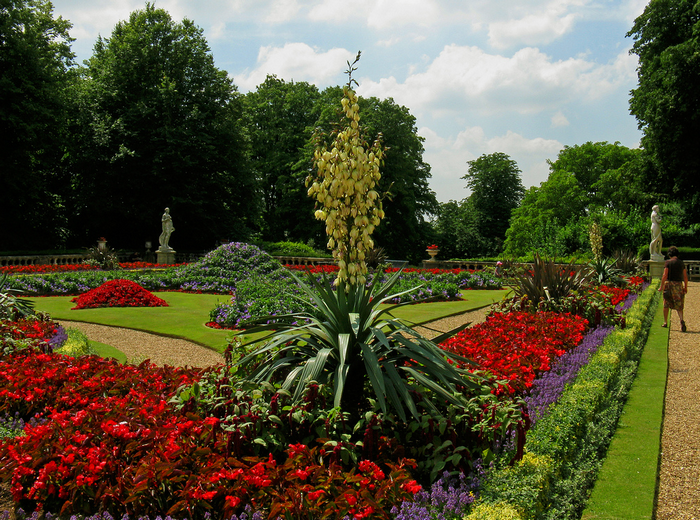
(168, 228)
(656, 238)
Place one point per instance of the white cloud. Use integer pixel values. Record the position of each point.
(534, 29)
(282, 11)
(559, 120)
(295, 61)
(468, 78)
(378, 14)
(448, 157)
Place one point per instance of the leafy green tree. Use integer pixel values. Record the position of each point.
(406, 231)
(458, 231)
(159, 125)
(280, 117)
(35, 72)
(494, 181)
(600, 180)
(667, 101)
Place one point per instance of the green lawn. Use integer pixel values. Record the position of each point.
(186, 315)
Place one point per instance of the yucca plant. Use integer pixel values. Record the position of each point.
(548, 280)
(627, 261)
(605, 270)
(11, 306)
(349, 341)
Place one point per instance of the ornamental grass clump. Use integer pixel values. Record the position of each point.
(118, 293)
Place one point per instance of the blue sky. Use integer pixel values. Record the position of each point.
(520, 77)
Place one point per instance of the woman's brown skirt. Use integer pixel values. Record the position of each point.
(673, 296)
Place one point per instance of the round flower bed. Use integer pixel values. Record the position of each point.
(118, 293)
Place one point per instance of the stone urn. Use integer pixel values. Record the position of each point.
(433, 253)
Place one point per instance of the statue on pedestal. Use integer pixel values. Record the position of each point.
(168, 228)
(656, 238)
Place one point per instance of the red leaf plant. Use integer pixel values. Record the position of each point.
(516, 346)
(118, 293)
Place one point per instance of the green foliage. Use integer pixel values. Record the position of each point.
(405, 231)
(599, 182)
(76, 345)
(348, 341)
(605, 271)
(279, 117)
(667, 41)
(548, 280)
(627, 261)
(106, 258)
(288, 248)
(11, 306)
(154, 115)
(496, 190)
(35, 73)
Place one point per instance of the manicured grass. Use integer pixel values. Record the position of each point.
(107, 351)
(186, 315)
(473, 299)
(626, 485)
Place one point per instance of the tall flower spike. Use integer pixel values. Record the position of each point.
(345, 192)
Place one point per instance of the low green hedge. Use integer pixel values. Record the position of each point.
(565, 449)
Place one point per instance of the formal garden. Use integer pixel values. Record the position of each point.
(328, 402)
(339, 414)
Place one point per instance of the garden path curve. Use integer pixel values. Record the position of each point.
(139, 346)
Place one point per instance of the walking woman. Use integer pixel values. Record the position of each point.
(674, 284)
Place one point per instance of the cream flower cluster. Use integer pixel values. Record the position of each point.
(345, 193)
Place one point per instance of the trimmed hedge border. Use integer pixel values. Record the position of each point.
(565, 449)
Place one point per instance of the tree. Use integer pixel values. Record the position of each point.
(280, 117)
(599, 180)
(406, 231)
(667, 101)
(494, 181)
(159, 125)
(35, 72)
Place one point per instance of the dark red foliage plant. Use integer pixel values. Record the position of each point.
(118, 293)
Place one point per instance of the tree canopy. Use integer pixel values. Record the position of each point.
(494, 180)
(592, 180)
(159, 125)
(666, 102)
(280, 117)
(35, 74)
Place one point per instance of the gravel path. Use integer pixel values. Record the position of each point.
(138, 346)
(679, 478)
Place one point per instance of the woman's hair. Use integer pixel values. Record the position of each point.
(672, 251)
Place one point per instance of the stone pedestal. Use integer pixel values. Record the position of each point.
(656, 269)
(165, 257)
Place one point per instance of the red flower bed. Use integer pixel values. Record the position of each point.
(517, 345)
(112, 441)
(329, 269)
(50, 268)
(28, 328)
(323, 268)
(118, 293)
(616, 295)
(46, 268)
